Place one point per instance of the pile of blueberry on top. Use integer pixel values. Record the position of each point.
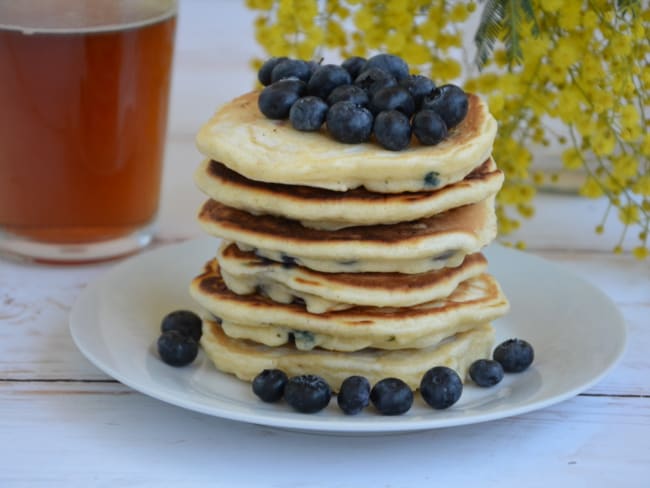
(360, 98)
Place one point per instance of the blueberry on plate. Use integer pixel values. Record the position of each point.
(354, 65)
(441, 387)
(269, 385)
(392, 98)
(486, 372)
(291, 68)
(349, 123)
(348, 93)
(428, 127)
(354, 395)
(418, 86)
(391, 396)
(275, 100)
(390, 63)
(515, 355)
(308, 113)
(448, 101)
(373, 79)
(326, 78)
(177, 349)
(307, 393)
(185, 322)
(264, 73)
(392, 130)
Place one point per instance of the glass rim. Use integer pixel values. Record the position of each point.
(167, 9)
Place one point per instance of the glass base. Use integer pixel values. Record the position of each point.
(21, 248)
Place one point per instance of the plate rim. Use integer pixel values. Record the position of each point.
(315, 423)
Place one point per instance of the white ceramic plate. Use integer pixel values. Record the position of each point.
(577, 334)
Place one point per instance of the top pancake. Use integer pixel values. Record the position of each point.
(319, 208)
(243, 139)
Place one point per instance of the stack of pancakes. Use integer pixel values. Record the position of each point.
(344, 259)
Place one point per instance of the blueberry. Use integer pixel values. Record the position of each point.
(354, 395)
(177, 349)
(441, 387)
(428, 127)
(392, 130)
(264, 73)
(326, 78)
(515, 355)
(308, 113)
(276, 100)
(391, 396)
(291, 68)
(185, 322)
(347, 122)
(392, 98)
(432, 181)
(313, 66)
(448, 101)
(348, 93)
(485, 372)
(373, 79)
(307, 393)
(354, 65)
(390, 63)
(269, 385)
(418, 86)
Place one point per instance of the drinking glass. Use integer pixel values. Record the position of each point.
(83, 114)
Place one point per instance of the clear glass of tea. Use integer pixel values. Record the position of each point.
(84, 89)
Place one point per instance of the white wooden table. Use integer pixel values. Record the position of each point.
(65, 423)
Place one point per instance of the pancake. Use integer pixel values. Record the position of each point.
(418, 246)
(475, 301)
(244, 140)
(246, 359)
(326, 209)
(245, 273)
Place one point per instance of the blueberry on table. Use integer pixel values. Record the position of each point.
(308, 113)
(349, 123)
(354, 395)
(486, 372)
(348, 93)
(390, 63)
(354, 65)
(441, 387)
(275, 100)
(418, 86)
(269, 385)
(177, 349)
(515, 355)
(185, 322)
(326, 78)
(391, 396)
(448, 101)
(307, 393)
(373, 79)
(291, 68)
(264, 73)
(392, 98)
(392, 130)
(429, 128)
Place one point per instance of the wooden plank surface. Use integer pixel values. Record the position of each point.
(65, 423)
(135, 439)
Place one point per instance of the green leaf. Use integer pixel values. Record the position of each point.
(488, 30)
(503, 19)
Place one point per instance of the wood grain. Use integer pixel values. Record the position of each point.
(65, 423)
